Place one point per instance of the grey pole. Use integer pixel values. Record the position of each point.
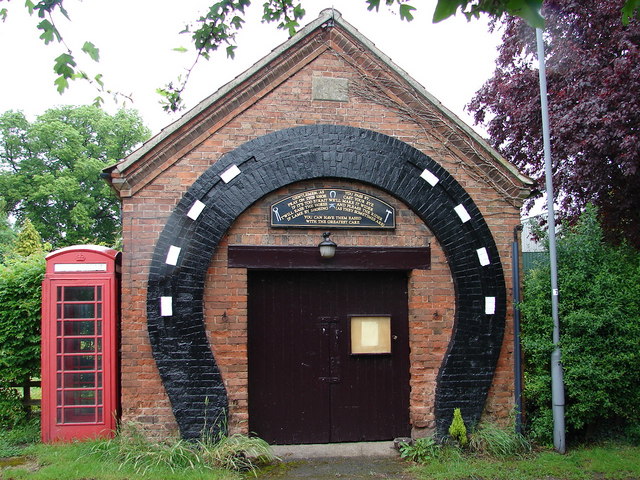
(557, 382)
(517, 351)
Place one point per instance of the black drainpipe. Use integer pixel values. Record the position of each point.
(517, 366)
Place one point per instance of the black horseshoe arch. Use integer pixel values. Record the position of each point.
(184, 249)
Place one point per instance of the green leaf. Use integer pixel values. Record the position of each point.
(98, 80)
(91, 50)
(405, 12)
(528, 10)
(180, 49)
(63, 11)
(298, 11)
(445, 9)
(64, 65)
(630, 9)
(237, 21)
(61, 84)
(231, 51)
(373, 4)
(3, 14)
(30, 6)
(48, 31)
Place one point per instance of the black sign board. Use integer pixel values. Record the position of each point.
(335, 208)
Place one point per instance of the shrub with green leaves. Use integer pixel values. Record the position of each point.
(599, 314)
(457, 429)
(20, 306)
(420, 450)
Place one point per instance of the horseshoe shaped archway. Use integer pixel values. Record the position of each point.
(176, 283)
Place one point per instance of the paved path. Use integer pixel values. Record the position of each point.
(346, 468)
(347, 461)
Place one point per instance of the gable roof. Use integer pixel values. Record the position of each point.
(328, 31)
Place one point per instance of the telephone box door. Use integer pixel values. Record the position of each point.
(80, 377)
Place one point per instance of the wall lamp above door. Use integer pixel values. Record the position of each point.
(327, 246)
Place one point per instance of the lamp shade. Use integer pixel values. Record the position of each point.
(327, 246)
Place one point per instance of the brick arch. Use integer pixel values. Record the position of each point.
(184, 249)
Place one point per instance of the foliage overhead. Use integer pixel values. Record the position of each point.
(593, 76)
(50, 171)
(599, 311)
(217, 28)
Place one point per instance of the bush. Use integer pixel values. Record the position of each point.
(20, 306)
(599, 313)
(12, 412)
(457, 429)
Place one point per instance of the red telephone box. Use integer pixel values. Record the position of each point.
(80, 377)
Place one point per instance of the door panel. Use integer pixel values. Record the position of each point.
(305, 386)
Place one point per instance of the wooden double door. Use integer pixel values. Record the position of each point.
(328, 356)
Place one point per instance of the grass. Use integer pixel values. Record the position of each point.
(130, 456)
(13, 442)
(76, 461)
(611, 462)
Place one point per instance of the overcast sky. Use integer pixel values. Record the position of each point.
(136, 39)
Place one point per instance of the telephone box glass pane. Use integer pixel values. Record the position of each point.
(79, 310)
(77, 328)
(79, 380)
(79, 362)
(80, 415)
(79, 345)
(79, 294)
(80, 397)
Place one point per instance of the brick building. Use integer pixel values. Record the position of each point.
(229, 312)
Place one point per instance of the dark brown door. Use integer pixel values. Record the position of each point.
(305, 383)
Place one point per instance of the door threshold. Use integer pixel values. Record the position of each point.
(334, 450)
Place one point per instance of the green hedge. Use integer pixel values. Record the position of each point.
(599, 313)
(20, 306)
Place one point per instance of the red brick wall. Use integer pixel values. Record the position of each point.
(431, 292)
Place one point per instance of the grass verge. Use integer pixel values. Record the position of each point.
(79, 460)
(14, 441)
(131, 456)
(610, 462)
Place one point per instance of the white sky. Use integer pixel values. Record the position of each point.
(136, 39)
